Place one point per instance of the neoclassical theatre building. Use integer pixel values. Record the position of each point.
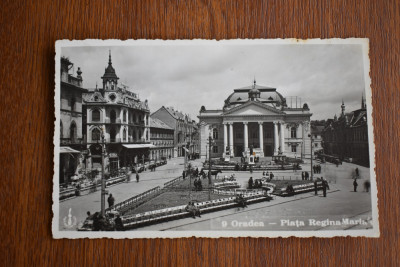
(258, 118)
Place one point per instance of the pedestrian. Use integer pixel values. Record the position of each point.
(367, 185)
(250, 183)
(119, 226)
(183, 175)
(271, 176)
(315, 187)
(324, 188)
(241, 201)
(302, 175)
(137, 177)
(193, 210)
(355, 184)
(306, 175)
(110, 200)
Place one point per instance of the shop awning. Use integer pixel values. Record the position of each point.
(67, 149)
(138, 145)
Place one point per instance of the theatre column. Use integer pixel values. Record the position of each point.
(246, 136)
(261, 133)
(276, 138)
(225, 137)
(231, 138)
(282, 136)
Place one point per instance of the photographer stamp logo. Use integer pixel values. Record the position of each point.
(70, 221)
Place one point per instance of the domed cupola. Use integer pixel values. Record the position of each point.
(254, 93)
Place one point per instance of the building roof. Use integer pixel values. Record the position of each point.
(178, 115)
(266, 95)
(109, 72)
(156, 123)
(317, 129)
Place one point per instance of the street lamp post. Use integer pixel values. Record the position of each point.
(103, 181)
(209, 167)
(311, 143)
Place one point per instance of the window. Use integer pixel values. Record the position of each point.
(96, 135)
(72, 131)
(113, 116)
(215, 133)
(294, 148)
(293, 132)
(215, 149)
(124, 135)
(73, 103)
(96, 115)
(126, 116)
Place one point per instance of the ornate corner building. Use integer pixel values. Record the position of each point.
(117, 113)
(257, 118)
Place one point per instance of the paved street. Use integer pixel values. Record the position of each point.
(91, 202)
(340, 203)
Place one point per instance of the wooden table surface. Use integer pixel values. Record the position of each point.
(28, 32)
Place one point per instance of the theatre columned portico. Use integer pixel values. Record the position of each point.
(256, 118)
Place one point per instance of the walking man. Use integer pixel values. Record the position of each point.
(137, 177)
(110, 200)
(355, 184)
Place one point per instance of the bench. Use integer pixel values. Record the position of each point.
(179, 212)
(299, 189)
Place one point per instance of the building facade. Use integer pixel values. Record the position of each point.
(162, 139)
(256, 118)
(72, 139)
(317, 128)
(185, 129)
(347, 136)
(116, 113)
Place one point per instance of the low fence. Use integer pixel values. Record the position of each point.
(244, 192)
(174, 181)
(133, 200)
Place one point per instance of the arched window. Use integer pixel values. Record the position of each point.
(113, 116)
(113, 134)
(96, 115)
(96, 135)
(72, 131)
(293, 132)
(124, 135)
(126, 116)
(215, 133)
(61, 130)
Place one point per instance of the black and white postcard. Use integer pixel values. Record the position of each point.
(206, 138)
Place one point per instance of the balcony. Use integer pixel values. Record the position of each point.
(116, 121)
(72, 141)
(122, 141)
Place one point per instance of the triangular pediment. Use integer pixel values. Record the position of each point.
(96, 97)
(252, 108)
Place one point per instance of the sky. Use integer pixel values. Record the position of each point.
(188, 76)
